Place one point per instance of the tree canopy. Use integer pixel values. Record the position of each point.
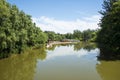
(17, 30)
(109, 34)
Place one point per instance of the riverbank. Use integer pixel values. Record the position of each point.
(57, 42)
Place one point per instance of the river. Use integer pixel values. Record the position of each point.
(60, 62)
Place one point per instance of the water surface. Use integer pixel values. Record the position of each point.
(61, 62)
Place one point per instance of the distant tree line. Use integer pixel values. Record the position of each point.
(86, 35)
(17, 30)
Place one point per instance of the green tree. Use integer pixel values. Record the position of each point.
(51, 35)
(77, 34)
(17, 31)
(69, 36)
(88, 35)
(109, 33)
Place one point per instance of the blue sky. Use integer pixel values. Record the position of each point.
(58, 15)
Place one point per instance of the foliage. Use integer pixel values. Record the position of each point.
(69, 36)
(17, 30)
(109, 33)
(77, 34)
(88, 35)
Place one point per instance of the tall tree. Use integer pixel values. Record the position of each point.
(109, 33)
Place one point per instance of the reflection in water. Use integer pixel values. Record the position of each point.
(22, 66)
(52, 48)
(109, 70)
(85, 45)
(61, 51)
(62, 62)
(108, 53)
(77, 46)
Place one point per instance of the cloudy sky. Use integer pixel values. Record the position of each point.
(62, 16)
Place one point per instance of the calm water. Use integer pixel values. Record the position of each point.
(61, 62)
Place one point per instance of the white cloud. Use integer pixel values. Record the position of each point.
(61, 26)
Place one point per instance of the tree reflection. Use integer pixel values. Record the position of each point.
(107, 53)
(85, 45)
(77, 46)
(52, 48)
(22, 66)
(109, 70)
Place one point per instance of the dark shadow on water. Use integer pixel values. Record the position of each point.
(108, 54)
(4, 55)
